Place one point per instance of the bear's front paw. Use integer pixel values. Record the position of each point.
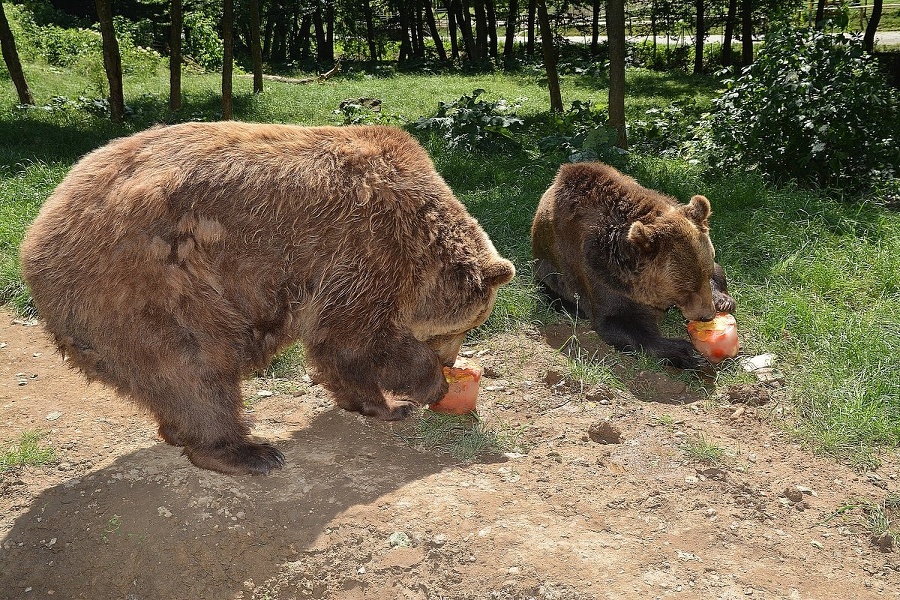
(237, 459)
(392, 410)
(679, 354)
(724, 303)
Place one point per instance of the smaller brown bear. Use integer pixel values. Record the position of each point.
(621, 255)
(170, 263)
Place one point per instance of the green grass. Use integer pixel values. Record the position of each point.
(465, 437)
(699, 449)
(27, 451)
(817, 279)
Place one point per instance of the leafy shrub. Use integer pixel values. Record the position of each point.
(472, 123)
(201, 41)
(581, 133)
(813, 107)
(364, 111)
(665, 131)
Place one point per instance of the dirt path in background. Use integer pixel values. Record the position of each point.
(357, 513)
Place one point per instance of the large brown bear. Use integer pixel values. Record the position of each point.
(170, 263)
(622, 254)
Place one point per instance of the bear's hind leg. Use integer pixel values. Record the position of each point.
(207, 421)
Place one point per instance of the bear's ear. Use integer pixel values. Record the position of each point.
(642, 236)
(497, 273)
(698, 211)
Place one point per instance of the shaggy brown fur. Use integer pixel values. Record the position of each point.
(622, 254)
(170, 263)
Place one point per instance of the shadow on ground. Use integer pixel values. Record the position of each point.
(153, 526)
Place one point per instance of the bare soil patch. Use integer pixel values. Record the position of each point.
(605, 502)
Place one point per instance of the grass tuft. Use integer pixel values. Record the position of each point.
(465, 437)
(28, 451)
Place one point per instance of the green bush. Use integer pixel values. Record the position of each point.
(470, 123)
(813, 107)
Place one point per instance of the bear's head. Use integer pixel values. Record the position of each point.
(675, 260)
(462, 300)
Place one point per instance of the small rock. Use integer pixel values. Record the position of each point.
(54, 415)
(817, 544)
(885, 542)
(553, 378)
(792, 494)
(760, 361)
(399, 539)
(713, 473)
(439, 540)
(806, 491)
(467, 353)
(263, 393)
(514, 570)
(600, 394)
(605, 433)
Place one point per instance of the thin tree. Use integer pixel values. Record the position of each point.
(511, 21)
(435, 34)
(529, 40)
(820, 15)
(175, 56)
(872, 27)
(549, 51)
(615, 31)
(112, 60)
(699, 38)
(227, 57)
(595, 28)
(11, 58)
(729, 33)
(746, 32)
(256, 47)
(370, 30)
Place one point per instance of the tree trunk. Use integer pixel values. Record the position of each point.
(511, 21)
(595, 28)
(872, 27)
(268, 30)
(406, 49)
(370, 30)
(329, 32)
(305, 37)
(227, 57)
(481, 44)
(435, 34)
(417, 28)
(256, 47)
(820, 15)
(279, 35)
(549, 48)
(465, 26)
(729, 33)
(11, 58)
(112, 60)
(451, 25)
(319, 27)
(699, 39)
(491, 27)
(747, 33)
(529, 41)
(615, 31)
(175, 56)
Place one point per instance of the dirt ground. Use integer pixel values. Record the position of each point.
(617, 510)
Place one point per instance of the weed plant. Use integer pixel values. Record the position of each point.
(26, 451)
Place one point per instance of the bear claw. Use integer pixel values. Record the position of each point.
(237, 459)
